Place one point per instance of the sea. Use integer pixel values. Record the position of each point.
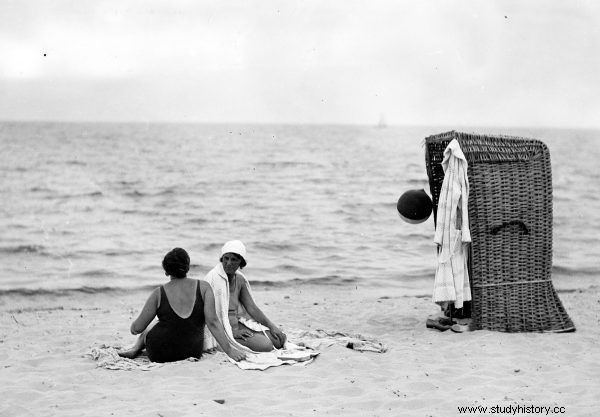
(95, 206)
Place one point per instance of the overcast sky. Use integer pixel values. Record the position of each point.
(501, 63)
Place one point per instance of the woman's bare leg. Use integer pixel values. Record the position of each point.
(134, 351)
(257, 342)
(137, 348)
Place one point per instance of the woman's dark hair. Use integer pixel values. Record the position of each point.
(176, 263)
(242, 262)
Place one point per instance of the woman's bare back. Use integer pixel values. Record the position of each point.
(182, 295)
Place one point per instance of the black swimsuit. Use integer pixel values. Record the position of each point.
(175, 338)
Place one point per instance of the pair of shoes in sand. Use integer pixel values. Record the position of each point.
(443, 323)
(463, 325)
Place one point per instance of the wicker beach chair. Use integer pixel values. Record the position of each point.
(510, 217)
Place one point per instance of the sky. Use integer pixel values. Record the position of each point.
(429, 62)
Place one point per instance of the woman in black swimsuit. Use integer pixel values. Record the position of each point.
(183, 306)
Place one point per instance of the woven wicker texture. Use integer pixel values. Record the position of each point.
(510, 217)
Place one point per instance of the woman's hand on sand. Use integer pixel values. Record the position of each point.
(235, 354)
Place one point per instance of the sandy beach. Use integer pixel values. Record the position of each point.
(45, 369)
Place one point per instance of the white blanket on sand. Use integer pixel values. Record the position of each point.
(452, 234)
(107, 357)
(319, 338)
(302, 353)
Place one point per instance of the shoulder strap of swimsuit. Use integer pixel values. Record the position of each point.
(162, 295)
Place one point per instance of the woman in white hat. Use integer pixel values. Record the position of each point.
(235, 306)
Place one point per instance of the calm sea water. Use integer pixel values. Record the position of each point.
(96, 206)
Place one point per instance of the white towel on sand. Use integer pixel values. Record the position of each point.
(452, 234)
(304, 352)
(107, 357)
(292, 355)
(320, 338)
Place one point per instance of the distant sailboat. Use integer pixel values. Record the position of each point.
(382, 124)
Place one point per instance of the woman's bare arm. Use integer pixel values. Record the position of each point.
(252, 309)
(147, 314)
(214, 324)
(257, 314)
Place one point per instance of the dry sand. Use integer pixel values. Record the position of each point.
(44, 369)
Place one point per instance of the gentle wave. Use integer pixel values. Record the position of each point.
(75, 162)
(38, 189)
(81, 195)
(330, 281)
(275, 247)
(55, 195)
(66, 291)
(581, 272)
(333, 280)
(158, 193)
(197, 220)
(289, 164)
(110, 253)
(416, 183)
(96, 273)
(211, 247)
(38, 249)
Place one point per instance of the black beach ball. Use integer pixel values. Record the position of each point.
(414, 206)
